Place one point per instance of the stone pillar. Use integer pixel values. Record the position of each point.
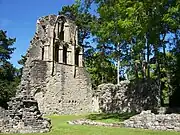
(73, 58)
(73, 54)
(69, 58)
(49, 31)
(51, 28)
(60, 54)
(76, 35)
(46, 52)
(66, 33)
(57, 31)
(81, 58)
(59, 27)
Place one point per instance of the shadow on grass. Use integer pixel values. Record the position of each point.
(115, 116)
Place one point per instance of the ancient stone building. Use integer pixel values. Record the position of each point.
(54, 72)
(127, 97)
(54, 75)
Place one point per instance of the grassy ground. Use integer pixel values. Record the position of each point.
(60, 127)
(110, 118)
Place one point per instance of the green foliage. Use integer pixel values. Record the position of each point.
(22, 60)
(22, 63)
(110, 118)
(6, 48)
(100, 67)
(135, 33)
(145, 38)
(9, 75)
(82, 18)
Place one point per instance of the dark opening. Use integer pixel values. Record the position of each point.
(43, 53)
(62, 32)
(56, 53)
(64, 55)
(77, 58)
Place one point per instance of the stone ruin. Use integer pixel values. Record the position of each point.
(54, 81)
(23, 116)
(126, 97)
(149, 120)
(141, 97)
(53, 73)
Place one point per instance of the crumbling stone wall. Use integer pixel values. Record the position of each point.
(64, 93)
(148, 120)
(59, 86)
(127, 97)
(23, 116)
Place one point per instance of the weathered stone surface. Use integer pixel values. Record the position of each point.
(127, 97)
(23, 116)
(3, 112)
(93, 123)
(54, 70)
(148, 120)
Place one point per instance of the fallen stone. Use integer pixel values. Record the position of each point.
(148, 120)
(93, 123)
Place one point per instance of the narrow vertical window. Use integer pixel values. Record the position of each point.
(56, 53)
(62, 32)
(64, 55)
(42, 53)
(77, 58)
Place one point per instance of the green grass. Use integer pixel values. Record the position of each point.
(110, 118)
(60, 127)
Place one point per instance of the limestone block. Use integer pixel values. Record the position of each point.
(66, 33)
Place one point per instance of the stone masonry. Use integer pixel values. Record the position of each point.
(54, 68)
(148, 120)
(23, 116)
(126, 97)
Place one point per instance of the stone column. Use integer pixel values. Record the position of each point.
(73, 55)
(60, 54)
(76, 35)
(46, 52)
(59, 27)
(51, 28)
(69, 58)
(57, 31)
(66, 33)
(73, 58)
(81, 58)
(49, 31)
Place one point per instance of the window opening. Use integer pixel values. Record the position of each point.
(77, 58)
(43, 53)
(64, 55)
(62, 32)
(56, 53)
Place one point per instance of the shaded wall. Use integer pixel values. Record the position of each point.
(127, 97)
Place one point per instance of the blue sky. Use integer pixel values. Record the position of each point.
(18, 18)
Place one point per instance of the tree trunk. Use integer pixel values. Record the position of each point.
(161, 102)
(118, 64)
(148, 54)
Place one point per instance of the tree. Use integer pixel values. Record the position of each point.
(82, 19)
(9, 78)
(139, 32)
(100, 66)
(22, 63)
(6, 48)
